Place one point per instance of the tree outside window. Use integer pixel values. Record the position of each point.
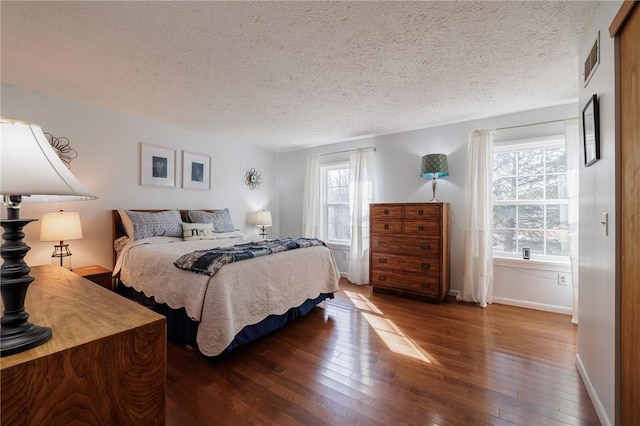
(336, 203)
(530, 206)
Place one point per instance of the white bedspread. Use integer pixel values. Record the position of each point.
(240, 294)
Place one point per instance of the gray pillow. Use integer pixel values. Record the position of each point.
(147, 224)
(221, 219)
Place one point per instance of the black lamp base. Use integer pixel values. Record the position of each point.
(23, 338)
(16, 334)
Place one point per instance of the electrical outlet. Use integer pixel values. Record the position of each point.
(562, 279)
(344, 255)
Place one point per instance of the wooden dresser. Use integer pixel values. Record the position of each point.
(105, 363)
(409, 253)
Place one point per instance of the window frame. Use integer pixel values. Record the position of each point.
(518, 145)
(324, 168)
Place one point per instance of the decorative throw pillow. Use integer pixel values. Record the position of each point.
(198, 231)
(221, 219)
(147, 224)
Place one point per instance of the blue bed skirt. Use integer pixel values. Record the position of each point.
(182, 329)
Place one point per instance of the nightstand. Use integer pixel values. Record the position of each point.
(97, 274)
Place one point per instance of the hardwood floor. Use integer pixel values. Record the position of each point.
(363, 359)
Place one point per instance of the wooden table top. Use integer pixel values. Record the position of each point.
(77, 310)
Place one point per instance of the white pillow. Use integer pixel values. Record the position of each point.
(198, 231)
(126, 223)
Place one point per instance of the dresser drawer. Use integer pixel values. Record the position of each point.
(428, 286)
(428, 212)
(419, 247)
(415, 227)
(386, 212)
(386, 227)
(415, 265)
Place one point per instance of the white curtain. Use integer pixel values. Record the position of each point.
(477, 284)
(361, 194)
(312, 203)
(572, 140)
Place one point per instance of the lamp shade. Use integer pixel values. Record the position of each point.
(263, 218)
(61, 226)
(434, 166)
(30, 166)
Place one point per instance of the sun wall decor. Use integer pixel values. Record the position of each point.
(62, 147)
(253, 179)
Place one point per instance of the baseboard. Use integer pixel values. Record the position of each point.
(533, 305)
(524, 304)
(597, 405)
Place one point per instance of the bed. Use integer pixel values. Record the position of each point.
(243, 301)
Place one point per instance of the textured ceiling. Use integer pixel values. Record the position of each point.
(287, 75)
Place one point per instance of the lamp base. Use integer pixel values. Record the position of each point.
(434, 188)
(22, 338)
(16, 334)
(263, 232)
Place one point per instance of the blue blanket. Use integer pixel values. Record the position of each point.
(209, 262)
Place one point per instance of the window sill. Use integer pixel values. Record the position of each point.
(548, 265)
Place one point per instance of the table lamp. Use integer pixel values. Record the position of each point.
(62, 226)
(29, 167)
(434, 166)
(262, 221)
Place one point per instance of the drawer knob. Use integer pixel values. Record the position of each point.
(382, 260)
(426, 266)
(386, 211)
(425, 246)
(421, 228)
(420, 212)
(382, 277)
(386, 226)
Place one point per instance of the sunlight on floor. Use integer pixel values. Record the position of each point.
(390, 334)
(361, 302)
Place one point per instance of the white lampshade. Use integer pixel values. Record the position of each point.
(263, 218)
(30, 166)
(61, 226)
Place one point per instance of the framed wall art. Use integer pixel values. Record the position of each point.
(196, 171)
(157, 166)
(591, 131)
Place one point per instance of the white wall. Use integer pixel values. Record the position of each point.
(397, 180)
(597, 315)
(108, 160)
(534, 285)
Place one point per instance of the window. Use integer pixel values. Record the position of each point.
(530, 199)
(335, 202)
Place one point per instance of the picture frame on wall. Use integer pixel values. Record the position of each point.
(591, 131)
(157, 166)
(196, 171)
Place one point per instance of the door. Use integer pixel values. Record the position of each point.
(629, 110)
